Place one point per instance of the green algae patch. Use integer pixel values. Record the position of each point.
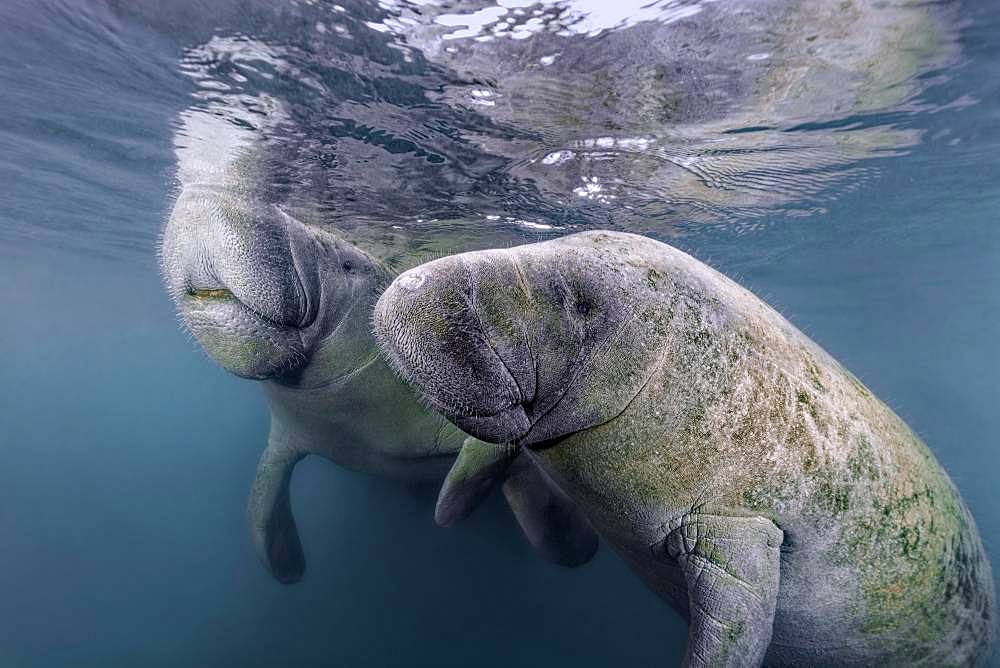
(833, 498)
(710, 552)
(246, 352)
(734, 633)
(862, 463)
(908, 548)
(653, 278)
(814, 374)
(805, 400)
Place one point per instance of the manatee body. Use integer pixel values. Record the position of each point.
(754, 483)
(272, 299)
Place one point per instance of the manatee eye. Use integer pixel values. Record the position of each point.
(348, 267)
(582, 307)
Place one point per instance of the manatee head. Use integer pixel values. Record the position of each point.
(529, 343)
(258, 289)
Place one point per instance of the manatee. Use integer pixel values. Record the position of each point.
(748, 478)
(272, 299)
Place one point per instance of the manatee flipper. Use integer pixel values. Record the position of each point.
(476, 470)
(269, 512)
(554, 525)
(731, 567)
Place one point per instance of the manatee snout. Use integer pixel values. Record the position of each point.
(429, 325)
(245, 280)
(562, 325)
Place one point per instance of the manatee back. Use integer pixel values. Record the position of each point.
(745, 415)
(791, 434)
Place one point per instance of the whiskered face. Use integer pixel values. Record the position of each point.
(429, 322)
(525, 344)
(247, 280)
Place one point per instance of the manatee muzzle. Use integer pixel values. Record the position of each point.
(257, 254)
(507, 426)
(246, 279)
(427, 324)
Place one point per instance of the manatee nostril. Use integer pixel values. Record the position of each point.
(411, 280)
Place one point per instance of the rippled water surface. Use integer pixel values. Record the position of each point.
(837, 158)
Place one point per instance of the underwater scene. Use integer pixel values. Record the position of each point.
(499, 333)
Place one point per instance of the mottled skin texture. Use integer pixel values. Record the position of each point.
(271, 299)
(746, 476)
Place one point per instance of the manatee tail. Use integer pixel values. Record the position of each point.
(269, 513)
(552, 523)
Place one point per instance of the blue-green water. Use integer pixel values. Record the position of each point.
(126, 455)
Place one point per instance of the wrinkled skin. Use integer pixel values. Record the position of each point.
(752, 481)
(274, 300)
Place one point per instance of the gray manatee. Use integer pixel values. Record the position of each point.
(272, 299)
(751, 481)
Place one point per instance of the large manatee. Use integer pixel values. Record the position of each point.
(272, 299)
(746, 476)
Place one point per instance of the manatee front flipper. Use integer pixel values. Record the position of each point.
(551, 521)
(269, 512)
(731, 567)
(471, 479)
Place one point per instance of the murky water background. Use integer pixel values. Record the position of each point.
(862, 204)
